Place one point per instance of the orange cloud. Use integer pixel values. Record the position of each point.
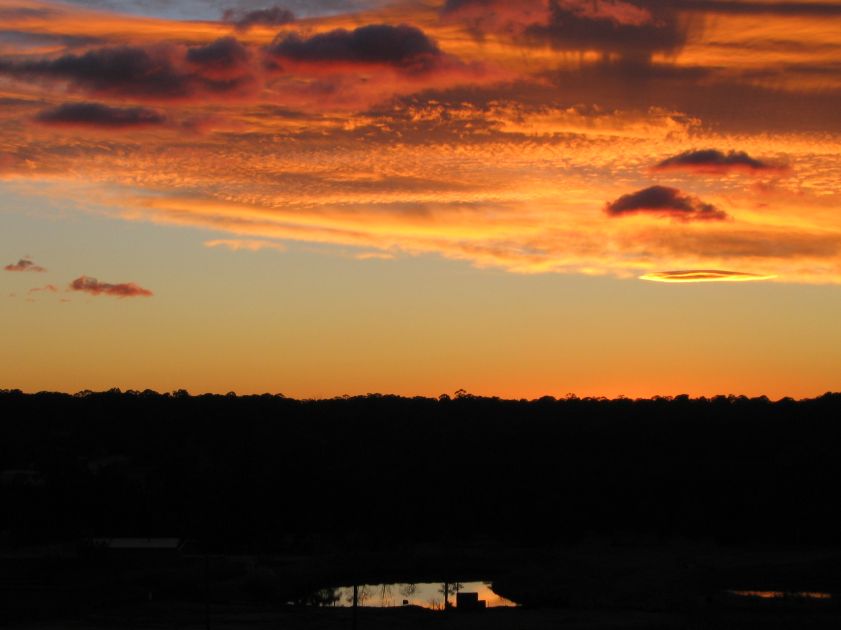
(496, 143)
(704, 275)
(251, 245)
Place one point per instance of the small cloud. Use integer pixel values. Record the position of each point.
(374, 256)
(25, 264)
(665, 202)
(49, 288)
(251, 245)
(405, 47)
(704, 275)
(95, 287)
(714, 162)
(244, 20)
(98, 115)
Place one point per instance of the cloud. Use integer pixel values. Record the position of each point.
(223, 54)
(49, 288)
(625, 28)
(497, 16)
(153, 73)
(634, 29)
(665, 202)
(24, 264)
(793, 9)
(374, 256)
(251, 245)
(404, 47)
(98, 115)
(714, 162)
(121, 70)
(273, 16)
(95, 287)
(704, 275)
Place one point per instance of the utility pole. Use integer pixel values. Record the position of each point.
(206, 590)
(355, 605)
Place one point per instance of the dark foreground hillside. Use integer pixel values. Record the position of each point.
(660, 506)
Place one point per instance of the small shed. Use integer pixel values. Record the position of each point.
(469, 601)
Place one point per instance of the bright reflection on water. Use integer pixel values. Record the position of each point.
(425, 595)
(782, 594)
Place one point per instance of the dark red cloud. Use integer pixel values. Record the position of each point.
(224, 54)
(665, 202)
(98, 115)
(273, 16)
(630, 28)
(828, 9)
(122, 70)
(95, 287)
(144, 73)
(405, 47)
(24, 264)
(712, 161)
(497, 16)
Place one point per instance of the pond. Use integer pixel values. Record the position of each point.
(782, 594)
(425, 595)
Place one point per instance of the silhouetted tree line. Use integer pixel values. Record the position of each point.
(269, 473)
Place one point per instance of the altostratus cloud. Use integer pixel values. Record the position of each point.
(715, 162)
(95, 287)
(667, 202)
(704, 275)
(24, 264)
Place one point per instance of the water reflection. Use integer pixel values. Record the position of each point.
(782, 594)
(425, 595)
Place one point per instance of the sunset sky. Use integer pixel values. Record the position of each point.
(328, 197)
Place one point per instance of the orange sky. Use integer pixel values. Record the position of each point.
(689, 141)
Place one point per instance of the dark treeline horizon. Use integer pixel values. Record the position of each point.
(266, 473)
(458, 394)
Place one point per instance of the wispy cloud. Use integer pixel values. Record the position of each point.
(24, 264)
(272, 16)
(374, 256)
(251, 245)
(49, 288)
(95, 287)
